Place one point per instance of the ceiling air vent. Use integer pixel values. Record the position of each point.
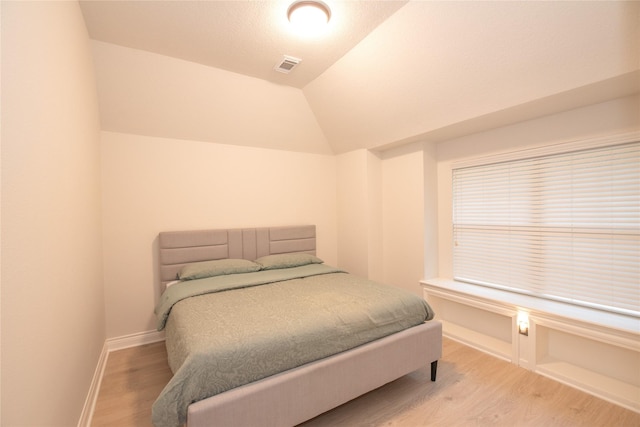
(287, 64)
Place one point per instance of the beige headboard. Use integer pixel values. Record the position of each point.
(178, 248)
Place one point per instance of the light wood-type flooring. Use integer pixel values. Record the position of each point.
(472, 389)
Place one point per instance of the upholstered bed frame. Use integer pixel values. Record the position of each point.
(297, 395)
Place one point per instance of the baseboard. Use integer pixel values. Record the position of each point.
(94, 389)
(112, 344)
(134, 340)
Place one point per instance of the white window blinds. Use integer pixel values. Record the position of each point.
(560, 226)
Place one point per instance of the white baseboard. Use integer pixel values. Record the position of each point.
(112, 344)
(94, 389)
(134, 340)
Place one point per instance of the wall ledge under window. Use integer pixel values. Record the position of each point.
(617, 328)
(594, 351)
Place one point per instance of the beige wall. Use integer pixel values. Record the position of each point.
(352, 212)
(381, 215)
(360, 227)
(155, 184)
(53, 327)
(403, 214)
(607, 118)
(375, 223)
(431, 234)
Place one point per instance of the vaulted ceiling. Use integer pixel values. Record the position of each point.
(246, 37)
(385, 72)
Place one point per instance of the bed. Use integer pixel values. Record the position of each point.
(242, 345)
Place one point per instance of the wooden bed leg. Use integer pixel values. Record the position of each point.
(434, 370)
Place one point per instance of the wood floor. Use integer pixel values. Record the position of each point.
(472, 389)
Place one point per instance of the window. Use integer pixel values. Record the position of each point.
(552, 223)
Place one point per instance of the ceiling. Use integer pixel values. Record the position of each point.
(385, 73)
(246, 37)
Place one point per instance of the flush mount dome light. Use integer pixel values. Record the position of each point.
(309, 17)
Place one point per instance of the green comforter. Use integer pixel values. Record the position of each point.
(244, 327)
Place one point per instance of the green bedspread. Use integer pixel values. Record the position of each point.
(244, 327)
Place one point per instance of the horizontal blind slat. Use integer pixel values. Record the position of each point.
(563, 226)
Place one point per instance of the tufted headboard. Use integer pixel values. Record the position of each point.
(178, 248)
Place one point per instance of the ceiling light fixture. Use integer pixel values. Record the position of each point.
(309, 17)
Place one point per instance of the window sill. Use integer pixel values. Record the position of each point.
(627, 326)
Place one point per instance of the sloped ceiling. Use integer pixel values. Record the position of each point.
(386, 72)
(435, 65)
(246, 37)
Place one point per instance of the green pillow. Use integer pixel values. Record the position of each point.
(218, 267)
(296, 259)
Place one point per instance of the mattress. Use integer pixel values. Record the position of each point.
(226, 331)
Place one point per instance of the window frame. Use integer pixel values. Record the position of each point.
(536, 152)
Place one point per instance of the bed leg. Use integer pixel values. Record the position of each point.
(434, 370)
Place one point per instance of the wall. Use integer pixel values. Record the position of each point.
(375, 225)
(616, 116)
(155, 184)
(360, 227)
(383, 230)
(353, 212)
(53, 327)
(403, 213)
(431, 235)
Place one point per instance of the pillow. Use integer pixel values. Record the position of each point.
(218, 267)
(271, 262)
(171, 284)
